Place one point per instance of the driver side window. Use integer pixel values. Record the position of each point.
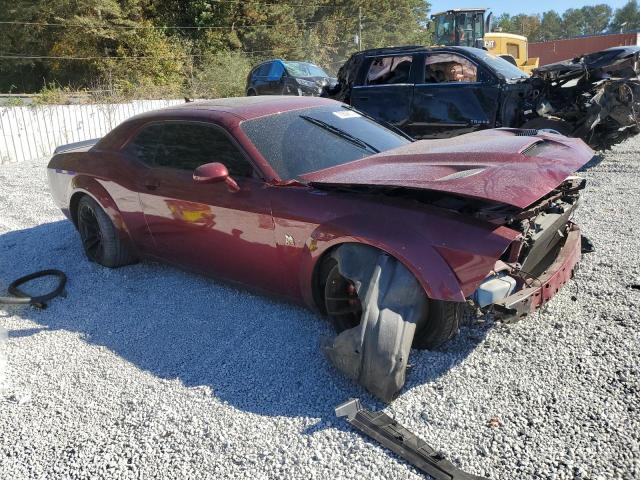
(186, 146)
(448, 68)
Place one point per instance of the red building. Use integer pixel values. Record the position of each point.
(558, 50)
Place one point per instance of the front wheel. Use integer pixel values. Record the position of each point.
(100, 239)
(341, 299)
(440, 322)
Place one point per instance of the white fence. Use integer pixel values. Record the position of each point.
(29, 133)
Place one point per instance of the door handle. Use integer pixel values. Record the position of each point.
(362, 98)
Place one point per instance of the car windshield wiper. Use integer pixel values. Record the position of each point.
(388, 125)
(341, 133)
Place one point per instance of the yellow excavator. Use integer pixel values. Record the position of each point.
(469, 27)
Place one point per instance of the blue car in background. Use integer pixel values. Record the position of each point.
(283, 77)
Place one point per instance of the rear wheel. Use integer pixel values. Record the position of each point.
(100, 239)
(251, 93)
(344, 308)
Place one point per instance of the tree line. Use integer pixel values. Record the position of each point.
(574, 22)
(200, 48)
(205, 48)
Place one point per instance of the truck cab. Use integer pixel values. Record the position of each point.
(460, 27)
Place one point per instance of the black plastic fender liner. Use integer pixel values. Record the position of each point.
(375, 353)
(21, 298)
(390, 434)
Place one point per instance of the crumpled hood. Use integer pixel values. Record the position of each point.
(509, 166)
(615, 61)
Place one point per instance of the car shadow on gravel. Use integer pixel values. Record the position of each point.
(258, 354)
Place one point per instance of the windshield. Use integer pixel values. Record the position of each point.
(303, 141)
(500, 65)
(304, 69)
(444, 28)
(462, 29)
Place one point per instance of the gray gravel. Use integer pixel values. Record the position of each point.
(148, 372)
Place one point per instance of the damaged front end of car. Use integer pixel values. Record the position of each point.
(394, 306)
(595, 97)
(527, 249)
(540, 261)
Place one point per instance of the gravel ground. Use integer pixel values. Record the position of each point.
(148, 372)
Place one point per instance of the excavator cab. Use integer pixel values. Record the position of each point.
(460, 27)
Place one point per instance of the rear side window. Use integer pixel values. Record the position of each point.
(145, 144)
(276, 70)
(389, 70)
(186, 146)
(263, 70)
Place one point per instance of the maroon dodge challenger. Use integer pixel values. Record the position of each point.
(309, 199)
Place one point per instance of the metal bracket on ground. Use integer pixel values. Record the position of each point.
(395, 437)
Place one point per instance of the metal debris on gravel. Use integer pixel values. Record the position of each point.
(149, 372)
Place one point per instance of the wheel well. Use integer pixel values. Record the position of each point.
(320, 272)
(318, 278)
(73, 206)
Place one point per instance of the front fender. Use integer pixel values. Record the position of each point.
(449, 277)
(449, 255)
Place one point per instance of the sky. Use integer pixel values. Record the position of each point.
(514, 7)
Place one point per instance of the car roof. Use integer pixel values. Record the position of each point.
(253, 107)
(281, 60)
(458, 10)
(415, 49)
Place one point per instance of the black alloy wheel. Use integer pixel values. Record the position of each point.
(90, 233)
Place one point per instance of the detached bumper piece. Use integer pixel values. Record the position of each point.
(395, 437)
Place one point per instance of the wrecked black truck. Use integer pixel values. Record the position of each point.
(439, 92)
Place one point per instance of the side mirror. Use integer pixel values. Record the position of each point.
(214, 173)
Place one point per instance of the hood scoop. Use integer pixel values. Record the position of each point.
(463, 173)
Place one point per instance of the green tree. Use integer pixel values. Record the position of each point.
(168, 45)
(626, 18)
(503, 23)
(573, 22)
(596, 18)
(521, 24)
(550, 27)
(84, 32)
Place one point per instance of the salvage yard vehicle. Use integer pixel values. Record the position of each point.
(282, 77)
(439, 92)
(468, 27)
(307, 198)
